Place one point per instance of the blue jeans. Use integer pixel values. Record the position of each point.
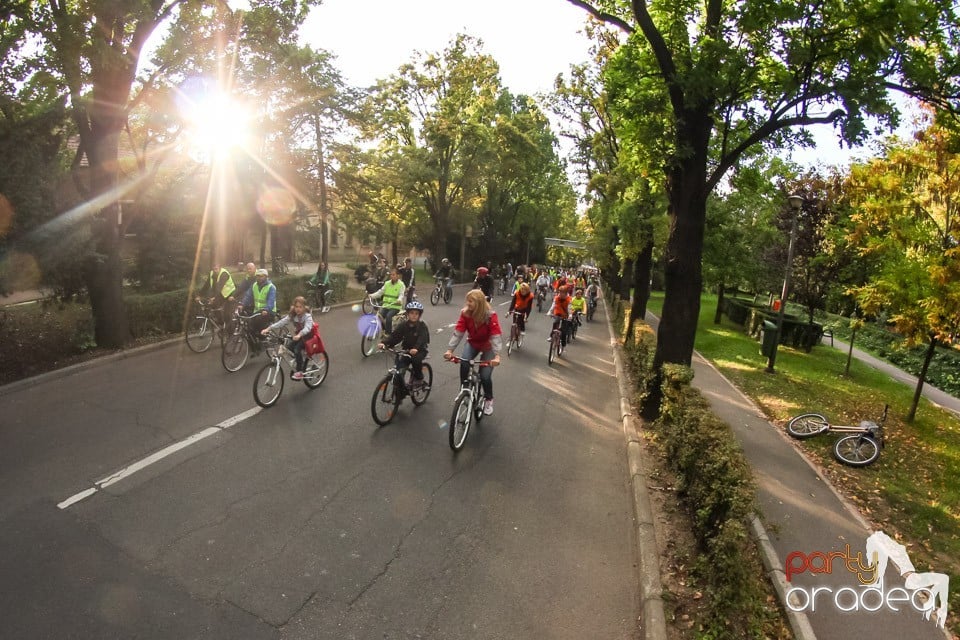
(486, 373)
(386, 315)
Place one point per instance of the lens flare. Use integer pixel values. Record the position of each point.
(276, 206)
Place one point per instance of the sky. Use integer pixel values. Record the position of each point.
(532, 40)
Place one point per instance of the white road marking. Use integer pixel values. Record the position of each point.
(128, 471)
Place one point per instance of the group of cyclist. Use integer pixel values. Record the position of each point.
(477, 322)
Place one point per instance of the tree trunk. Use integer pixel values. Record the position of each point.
(853, 337)
(683, 276)
(641, 286)
(920, 379)
(626, 282)
(105, 272)
(324, 210)
(718, 316)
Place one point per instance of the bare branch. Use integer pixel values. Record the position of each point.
(602, 16)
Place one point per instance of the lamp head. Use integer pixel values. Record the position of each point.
(796, 201)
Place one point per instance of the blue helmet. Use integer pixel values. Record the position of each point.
(415, 305)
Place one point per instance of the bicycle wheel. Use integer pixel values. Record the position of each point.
(419, 396)
(460, 421)
(447, 295)
(199, 334)
(317, 367)
(435, 296)
(573, 330)
(236, 350)
(807, 425)
(368, 341)
(512, 344)
(552, 352)
(857, 450)
(367, 305)
(385, 401)
(268, 385)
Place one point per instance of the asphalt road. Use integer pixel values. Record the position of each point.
(306, 520)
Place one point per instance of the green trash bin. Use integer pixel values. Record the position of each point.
(768, 339)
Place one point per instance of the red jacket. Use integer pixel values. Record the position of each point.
(479, 336)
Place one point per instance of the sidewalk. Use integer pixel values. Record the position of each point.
(931, 393)
(801, 515)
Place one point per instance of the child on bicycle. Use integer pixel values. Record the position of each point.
(560, 310)
(301, 321)
(413, 336)
(480, 324)
(578, 306)
(522, 301)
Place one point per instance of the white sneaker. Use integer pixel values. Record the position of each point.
(325, 310)
(297, 375)
(488, 407)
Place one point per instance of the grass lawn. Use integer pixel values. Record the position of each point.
(913, 490)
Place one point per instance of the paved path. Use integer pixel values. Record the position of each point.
(801, 513)
(931, 393)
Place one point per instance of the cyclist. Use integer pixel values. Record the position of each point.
(522, 301)
(560, 310)
(321, 280)
(593, 292)
(482, 328)
(392, 293)
(446, 272)
(302, 322)
(543, 284)
(261, 299)
(414, 336)
(408, 275)
(218, 289)
(484, 282)
(244, 285)
(578, 306)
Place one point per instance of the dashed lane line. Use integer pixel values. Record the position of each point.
(142, 464)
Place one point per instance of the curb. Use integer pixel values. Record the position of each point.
(653, 621)
(56, 374)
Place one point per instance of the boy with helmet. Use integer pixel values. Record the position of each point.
(413, 336)
(484, 282)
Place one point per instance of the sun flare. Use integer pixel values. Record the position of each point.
(216, 124)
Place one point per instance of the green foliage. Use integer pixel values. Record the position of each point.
(715, 481)
(944, 370)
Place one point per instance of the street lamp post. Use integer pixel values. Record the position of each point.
(796, 203)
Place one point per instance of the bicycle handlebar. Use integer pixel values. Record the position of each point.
(479, 363)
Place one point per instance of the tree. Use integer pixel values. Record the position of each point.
(731, 76)
(742, 230)
(438, 112)
(907, 217)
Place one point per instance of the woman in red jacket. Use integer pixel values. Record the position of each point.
(482, 328)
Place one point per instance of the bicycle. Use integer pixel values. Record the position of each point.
(279, 266)
(860, 448)
(574, 325)
(268, 384)
(468, 405)
(442, 290)
(239, 344)
(374, 331)
(321, 292)
(398, 384)
(591, 308)
(516, 336)
(556, 343)
(203, 328)
(541, 296)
